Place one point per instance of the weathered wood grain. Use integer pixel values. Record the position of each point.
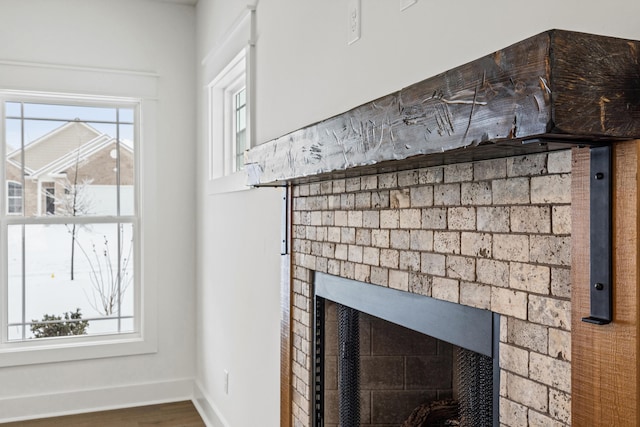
(604, 380)
(286, 419)
(557, 84)
(178, 414)
(595, 85)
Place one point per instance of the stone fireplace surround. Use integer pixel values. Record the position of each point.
(454, 188)
(492, 234)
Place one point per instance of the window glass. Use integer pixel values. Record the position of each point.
(70, 219)
(69, 112)
(88, 165)
(124, 155)
(101, 290)
(13, 109)
(240, 128)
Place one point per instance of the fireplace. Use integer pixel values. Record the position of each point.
(472, 187)
(491, 235)
(395, 372)
(381, 353)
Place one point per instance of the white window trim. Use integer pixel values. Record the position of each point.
(66, 82)
(222, 116)
(238, 80)
(220, 177)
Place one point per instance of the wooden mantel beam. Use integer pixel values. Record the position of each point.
(555, 86)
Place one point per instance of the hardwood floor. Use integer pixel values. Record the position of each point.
(179, 414)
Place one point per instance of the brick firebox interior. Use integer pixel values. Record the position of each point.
(492, 234)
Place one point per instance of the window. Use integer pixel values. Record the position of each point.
(230, 69)
(50, 200)
(229, 119)
(70, 228)
(14, 198)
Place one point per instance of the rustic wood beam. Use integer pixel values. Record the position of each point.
(558, 85)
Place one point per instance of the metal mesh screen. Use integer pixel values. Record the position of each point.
(318, 380)
(348, 366)
(475, 388)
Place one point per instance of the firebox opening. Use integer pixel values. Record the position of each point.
(373, 369)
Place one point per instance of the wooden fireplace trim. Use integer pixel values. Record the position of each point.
(604, 366)
(555, 88)
(551, 91)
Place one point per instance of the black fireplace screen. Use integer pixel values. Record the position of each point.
(475, 388)
(348, 366)
(475, 378)
(476, 365)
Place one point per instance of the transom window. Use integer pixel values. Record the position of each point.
(70, 226)
(229, 120)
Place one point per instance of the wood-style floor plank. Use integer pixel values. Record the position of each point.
(179, 414)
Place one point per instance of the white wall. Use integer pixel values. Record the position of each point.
(306, 72)
(137, 35)
(238, 261)
(237, 307)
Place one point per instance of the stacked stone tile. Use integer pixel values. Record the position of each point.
(491, 234)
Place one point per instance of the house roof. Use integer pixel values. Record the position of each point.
(55, 144)
(80, 154)
(61, 148)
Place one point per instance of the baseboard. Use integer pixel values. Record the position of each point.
(206, 408)
(21, 408)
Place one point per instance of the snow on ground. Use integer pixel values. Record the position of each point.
(48, 285)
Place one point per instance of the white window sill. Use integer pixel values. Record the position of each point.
(236, 181)
(61, 350)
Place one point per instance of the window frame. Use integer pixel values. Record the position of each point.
(221, 118)
(144, 338)
(238, 43)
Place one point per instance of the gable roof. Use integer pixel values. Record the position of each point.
(80, 154)
(63, 147)
(55, 144)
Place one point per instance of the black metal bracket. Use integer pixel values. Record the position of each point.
(284, 220)
(600, 285)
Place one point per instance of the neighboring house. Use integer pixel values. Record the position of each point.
(72, 155)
